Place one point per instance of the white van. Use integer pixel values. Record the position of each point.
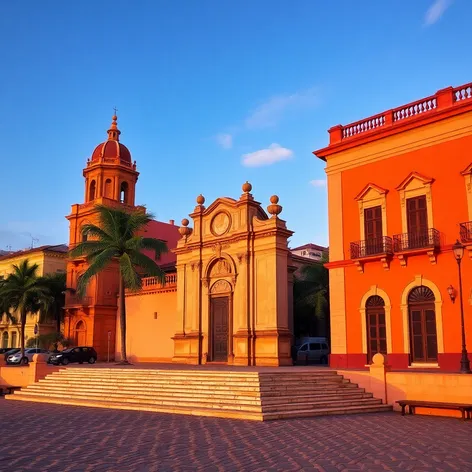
(312, 350)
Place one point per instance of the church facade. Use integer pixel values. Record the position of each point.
(228, 292)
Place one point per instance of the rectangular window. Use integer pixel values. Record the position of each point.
(417, 220)
(373, 230)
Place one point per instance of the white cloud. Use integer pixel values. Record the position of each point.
(225, 140)
(265, 157)
(318, 183)
(436, 10)
(271, 112)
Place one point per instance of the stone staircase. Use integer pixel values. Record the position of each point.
(252, 395)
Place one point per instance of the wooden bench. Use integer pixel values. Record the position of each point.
(464, 408)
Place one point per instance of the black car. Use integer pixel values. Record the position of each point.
(79, 354)
(8, 352)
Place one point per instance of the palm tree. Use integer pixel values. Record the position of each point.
(52, 307)
(22, 291)
(311, 300)
(117, 238)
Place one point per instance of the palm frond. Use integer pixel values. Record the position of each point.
(97, 264)
(149, 266)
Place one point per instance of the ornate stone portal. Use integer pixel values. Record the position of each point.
(234, 284)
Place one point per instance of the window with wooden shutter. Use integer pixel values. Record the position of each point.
(417, 220)
(373, 230)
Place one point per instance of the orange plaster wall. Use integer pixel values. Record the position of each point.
(443, 162)
(149, 339)
(440, 387)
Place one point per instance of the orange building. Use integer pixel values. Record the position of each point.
(400, 195)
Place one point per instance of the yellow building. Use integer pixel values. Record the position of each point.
(50, 259)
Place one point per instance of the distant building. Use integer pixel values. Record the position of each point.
(50, 259)
(310, 251)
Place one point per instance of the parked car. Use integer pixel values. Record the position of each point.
(79, 354)
(10, 352)
(29, 353)
(312, 350)
(4, 350)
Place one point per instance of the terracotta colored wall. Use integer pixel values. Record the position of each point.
(150, 339)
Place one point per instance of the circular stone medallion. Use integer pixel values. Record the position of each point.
(220, 224)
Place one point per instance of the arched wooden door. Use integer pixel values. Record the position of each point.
(422, 318)
(376, 327)
(80, 334)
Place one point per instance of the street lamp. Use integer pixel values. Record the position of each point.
(458, 250)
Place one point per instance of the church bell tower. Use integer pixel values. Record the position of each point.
(110, 179)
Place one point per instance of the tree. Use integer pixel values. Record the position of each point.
(311, 301)
(45, 341)
(116, 238)
(23, 291)
(52, 306)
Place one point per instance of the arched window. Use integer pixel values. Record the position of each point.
(5, 339)
(124, 192)
(80, 333)
(92, 189)
(422, 320)
(108, 189)
(13, 339)
(376, 327)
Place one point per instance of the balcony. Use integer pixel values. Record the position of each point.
(466, 232)
(375, 249)
(371, 247)
(422, 242)
(73, 300)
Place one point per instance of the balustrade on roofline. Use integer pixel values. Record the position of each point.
(154, 282)
(441, 100)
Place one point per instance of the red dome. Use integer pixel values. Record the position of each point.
(111, 149)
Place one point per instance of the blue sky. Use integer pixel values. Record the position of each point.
(210, 93)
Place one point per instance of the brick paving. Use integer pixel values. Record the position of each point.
(42, 438)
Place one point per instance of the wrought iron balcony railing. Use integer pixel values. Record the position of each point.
(466, 232)
(427, 239)
(371, 247)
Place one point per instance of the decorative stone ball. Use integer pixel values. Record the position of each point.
(185, 222)
(274, 209)
(378, 359)
(200, 199)
(247, 187)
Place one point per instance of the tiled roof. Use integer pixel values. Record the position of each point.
(60, 248)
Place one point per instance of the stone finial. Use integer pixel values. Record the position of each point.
(247, 187)
(274, 209)
(200, 199)
(378, 359)
(184, 230)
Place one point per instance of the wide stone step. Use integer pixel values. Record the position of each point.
(182, 390)
(319, 404)
(190, 381)
(229, 405)
(327, 411)
(212, 378)
(225, 396)
(200, 411)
